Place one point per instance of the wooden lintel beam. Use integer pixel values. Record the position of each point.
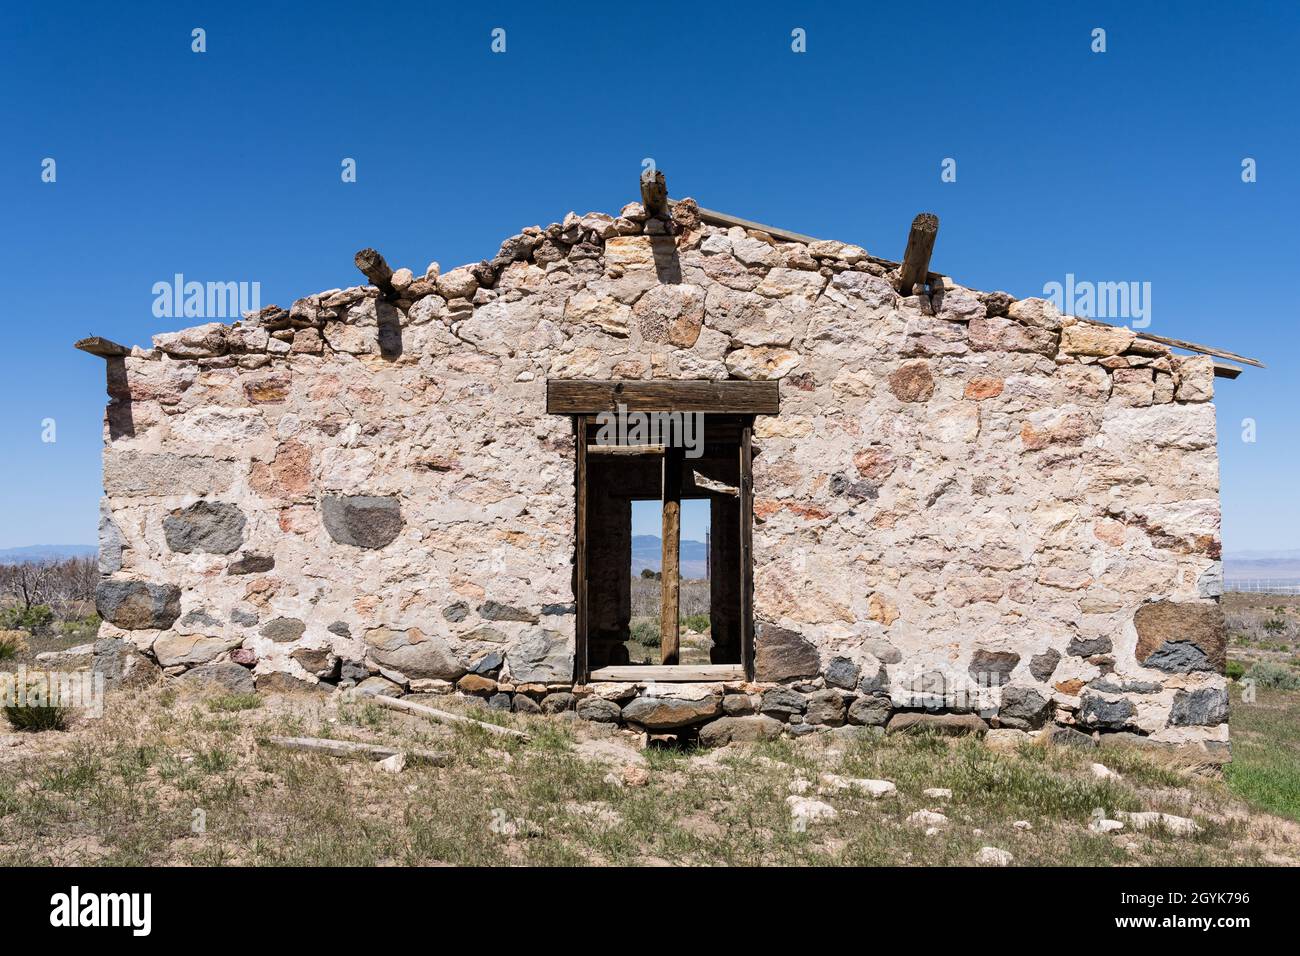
(916, 259)
(98, 345)
(1224, 370)
(376, 269)
(590, 397)
(654, 193)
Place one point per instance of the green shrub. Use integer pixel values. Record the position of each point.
(1273, 676)
(12, 643)
(1275, 625)
(35, 619)
(37, 718)
(1235, 670)
(696, 622)
(645, 632)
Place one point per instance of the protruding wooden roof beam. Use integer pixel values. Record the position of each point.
(654, 192)
(98, 345)
(373, 266)
(916, 259)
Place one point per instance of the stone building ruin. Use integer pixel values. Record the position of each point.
(925, 499)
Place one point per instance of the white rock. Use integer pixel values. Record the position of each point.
(938, 793)
(716, 246)
(1149, 819)
(992, 856)
(873, 788)
(1105, 826)
(1023, 825)
(394, 764)
(810, 811)
(927, 818)
(1102, 772)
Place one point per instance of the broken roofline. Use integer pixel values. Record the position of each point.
(713, 217)
(654, 194)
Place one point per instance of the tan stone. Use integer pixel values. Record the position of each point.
(1110, 531)
(476, 684)
(1085, 338)
(629, 252)
(879, 609)
(762, 362)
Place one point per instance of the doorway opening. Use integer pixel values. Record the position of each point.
(698, 493)
(666, 574)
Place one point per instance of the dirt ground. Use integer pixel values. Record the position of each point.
(168, 779)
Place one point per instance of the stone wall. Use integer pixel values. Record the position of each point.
(967, 502)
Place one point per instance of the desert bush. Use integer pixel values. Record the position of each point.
(1273, 676)
(1235, 670)
(36, 719)
(696, 622)
(35, 619)
(645, 632)
(12, 643)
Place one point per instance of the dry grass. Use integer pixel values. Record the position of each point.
(131, 787)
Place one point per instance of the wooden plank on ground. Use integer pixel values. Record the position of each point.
(443, 717)
(348, 748)
(591, 396)
(679, 673)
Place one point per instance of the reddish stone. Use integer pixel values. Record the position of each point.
(912, 382)
(875, 463)
(288, 476)
(978, 389)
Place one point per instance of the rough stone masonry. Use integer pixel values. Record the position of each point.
(967, 503)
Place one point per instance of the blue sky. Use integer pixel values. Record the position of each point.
(225, 166)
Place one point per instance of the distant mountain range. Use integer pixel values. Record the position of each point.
(1247, 565)
(46, 552)
(647, 552)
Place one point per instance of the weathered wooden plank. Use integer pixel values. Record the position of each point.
(1224, 370)
(348, 748)
(666, 674)
(581, 638)
(592, 396)
(670, 566)
(625, 449)
(916, 258)
(98, 345)
(746, 488)
(1203, 349)
(715, 218)
(443, 717)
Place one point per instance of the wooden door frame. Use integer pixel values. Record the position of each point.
(663, 672)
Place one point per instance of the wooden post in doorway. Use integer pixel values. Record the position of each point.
(671, 565)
